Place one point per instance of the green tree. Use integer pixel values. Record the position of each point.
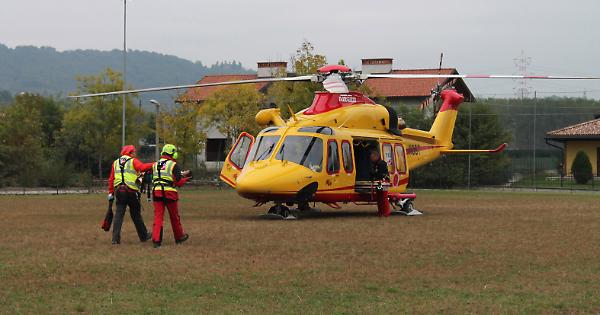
(298, 95)
(232, 110)
(582, 168)
(21, 141)
(306, 61)
(92, 126)
(181, 127)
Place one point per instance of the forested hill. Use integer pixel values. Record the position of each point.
(48, 71)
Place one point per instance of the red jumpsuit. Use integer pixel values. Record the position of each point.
(379, 172)
(168, 200)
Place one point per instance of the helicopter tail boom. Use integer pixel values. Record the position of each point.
(443, 126)
(496, 150)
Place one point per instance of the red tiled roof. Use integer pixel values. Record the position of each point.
(202, 93)
(384, 87)
(387, 87)
(585, 130)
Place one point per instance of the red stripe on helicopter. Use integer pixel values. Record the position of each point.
(339, 188)
(419, 148)
(229, 181)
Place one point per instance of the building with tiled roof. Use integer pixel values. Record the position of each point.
(415, 91)
(584, 137)
(267, 69)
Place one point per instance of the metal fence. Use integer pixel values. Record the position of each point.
(532, 162)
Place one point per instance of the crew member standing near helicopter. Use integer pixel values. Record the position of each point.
(380, 174)
(166, 177)
(122, 184)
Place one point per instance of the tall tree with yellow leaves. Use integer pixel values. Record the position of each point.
(232, 110)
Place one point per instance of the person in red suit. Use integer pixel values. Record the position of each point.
(122, 183)
(166, 177)
(380, 174)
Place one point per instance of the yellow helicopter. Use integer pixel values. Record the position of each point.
(321, 154)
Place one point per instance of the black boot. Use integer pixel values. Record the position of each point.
(148, 236)
(182, 239)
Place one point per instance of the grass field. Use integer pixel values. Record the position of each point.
(479, 252)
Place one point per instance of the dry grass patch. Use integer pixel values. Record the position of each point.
(480, 252)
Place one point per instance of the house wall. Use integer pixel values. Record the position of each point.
(395, 102)
(589, 147)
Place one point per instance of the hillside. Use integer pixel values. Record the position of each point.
(48, 71)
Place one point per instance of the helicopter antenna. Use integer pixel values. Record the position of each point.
(292, 113)
(440, 67)
(438, 87)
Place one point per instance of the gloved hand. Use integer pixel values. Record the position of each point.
(111, 197)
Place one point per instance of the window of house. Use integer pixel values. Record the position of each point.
(216, 150)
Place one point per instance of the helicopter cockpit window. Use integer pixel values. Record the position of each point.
(317, 129)
(302, 150)
(269, 129)
(263, 147)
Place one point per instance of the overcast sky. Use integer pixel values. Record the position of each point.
(476, 36)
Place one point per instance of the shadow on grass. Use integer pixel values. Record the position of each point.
(322, 215)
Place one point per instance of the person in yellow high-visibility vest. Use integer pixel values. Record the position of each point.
(122, 184)
(166, 177)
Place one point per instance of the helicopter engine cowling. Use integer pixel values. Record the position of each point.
(270, 116)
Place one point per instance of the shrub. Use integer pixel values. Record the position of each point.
(582, 168)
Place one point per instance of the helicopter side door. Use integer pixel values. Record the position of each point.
(234, 163)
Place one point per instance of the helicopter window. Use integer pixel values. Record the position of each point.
(317, 129)
(333, 158)
(388, 157)
(263, 147)
(347, 156)
(302, 150)
(269, 129)
(401, 162)
(239, 152)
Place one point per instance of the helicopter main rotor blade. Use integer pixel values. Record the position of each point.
(476, 76)
(188, 86)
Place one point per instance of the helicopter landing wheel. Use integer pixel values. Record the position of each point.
(278, 212)
(407, 208)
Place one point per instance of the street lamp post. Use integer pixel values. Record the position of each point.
(124, 67)
(156, 139)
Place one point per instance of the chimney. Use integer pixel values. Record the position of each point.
(377, 65)
(271, 69)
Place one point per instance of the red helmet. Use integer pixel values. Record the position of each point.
(128, 150)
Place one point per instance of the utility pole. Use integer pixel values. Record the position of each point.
(124, 68)
(469, 155)
(534, 136)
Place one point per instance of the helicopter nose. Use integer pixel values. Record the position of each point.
(273, 180)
